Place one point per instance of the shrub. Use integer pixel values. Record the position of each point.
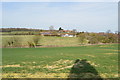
(12, 42)
(93, 40)
(83, 38)
(31, 44)
(36, 39)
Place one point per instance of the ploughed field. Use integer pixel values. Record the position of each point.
(57, 62)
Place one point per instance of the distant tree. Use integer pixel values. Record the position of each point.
(83, 38)
(93, 40)
(74, 30)
(51, 28)
(111, 37)
(60, 28)
(116, 32)
(108, 31)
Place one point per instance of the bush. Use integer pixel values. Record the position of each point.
(31, 44)
(83, 38)
(12, 42)
(34, 42)
(93, 40)
(36, 39)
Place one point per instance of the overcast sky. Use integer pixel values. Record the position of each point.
(83, 16)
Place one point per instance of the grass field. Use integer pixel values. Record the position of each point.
(44, 41)
(57, 61)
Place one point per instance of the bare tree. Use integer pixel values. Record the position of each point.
(108, 31)
(51, 28)
(74, 30)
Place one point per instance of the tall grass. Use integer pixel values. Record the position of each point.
(12, 42)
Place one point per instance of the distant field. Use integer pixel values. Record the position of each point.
(44, 41)
(57, 61)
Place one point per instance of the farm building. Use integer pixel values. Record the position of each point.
(68, 35)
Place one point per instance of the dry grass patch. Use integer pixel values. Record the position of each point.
(36, 75)
(106, 46)
(110, 53)
(90, 55)
(93, 64)
(83, 75)
(60, 64)
(17, 65)
(106, 75)
(54, 75)
(64, 68)
(51, 66)
(61, 61)
(110, 49)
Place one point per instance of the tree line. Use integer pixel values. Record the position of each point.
(17, 29)
(96, 38)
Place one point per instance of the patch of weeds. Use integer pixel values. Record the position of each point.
(56, 76)
(10, 76)
(23, 76)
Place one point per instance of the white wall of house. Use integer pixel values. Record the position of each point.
(67, 35)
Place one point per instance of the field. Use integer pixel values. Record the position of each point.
(44, 41)
(57, 62)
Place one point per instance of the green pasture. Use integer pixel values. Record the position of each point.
(44, 41)
(57, 62)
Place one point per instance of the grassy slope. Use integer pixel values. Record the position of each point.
(57, 62)
(45, 41)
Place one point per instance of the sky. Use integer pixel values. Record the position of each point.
(83, 16)
(60, 0)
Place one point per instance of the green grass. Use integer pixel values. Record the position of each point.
(58, 61)
(44, 41)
